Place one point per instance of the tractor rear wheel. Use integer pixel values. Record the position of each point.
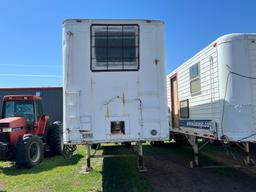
(29, 152)
(55, 139)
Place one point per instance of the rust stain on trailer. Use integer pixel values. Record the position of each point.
(123, 103)
(91, 83)
(107, 112)
(123, 98)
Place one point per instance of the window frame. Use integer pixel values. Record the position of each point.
(137, 49)
(38, 109)
(184, 111)
(29, 126)
(198, 77)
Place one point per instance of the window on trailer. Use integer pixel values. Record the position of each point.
(184, 109)
(114, 47)
(195, 82)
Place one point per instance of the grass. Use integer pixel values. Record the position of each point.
(59, 174)
(109, 174)
(120, 174)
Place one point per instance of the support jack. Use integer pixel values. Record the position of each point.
(193, 142)
(141, 164)
(138, 150)
(87, 168)
(247, 161)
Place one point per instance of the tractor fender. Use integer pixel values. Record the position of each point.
(27, 135)
(59, 123)
(24, 138)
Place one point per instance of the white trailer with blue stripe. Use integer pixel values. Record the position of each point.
(213, 94)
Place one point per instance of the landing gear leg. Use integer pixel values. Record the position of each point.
(88, 167)
(193, 142)
(248, 161)
(141, 165)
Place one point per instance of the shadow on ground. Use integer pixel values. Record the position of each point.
(169, 170)
(121, 173)
(46, 165)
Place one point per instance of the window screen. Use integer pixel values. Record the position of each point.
(114, 47)
(195, 83)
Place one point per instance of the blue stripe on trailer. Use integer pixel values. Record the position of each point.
(198, 124)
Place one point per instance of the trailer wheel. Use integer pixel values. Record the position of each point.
(29, 152)
(55, 139)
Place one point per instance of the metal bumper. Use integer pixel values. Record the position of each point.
(4, 148)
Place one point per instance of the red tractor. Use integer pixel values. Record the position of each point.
(25, 134)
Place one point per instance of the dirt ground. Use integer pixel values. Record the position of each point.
(168, 170)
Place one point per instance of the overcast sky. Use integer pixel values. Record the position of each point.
(30, 35)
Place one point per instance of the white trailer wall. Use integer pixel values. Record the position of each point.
(95, 99)
(205, 105)
(227, 70)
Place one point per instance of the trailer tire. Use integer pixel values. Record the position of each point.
(29, 152)
(55, 138)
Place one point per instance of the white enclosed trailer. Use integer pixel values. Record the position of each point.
(213, 94)
(114, 81)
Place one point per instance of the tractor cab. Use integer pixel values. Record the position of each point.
(27, 106)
